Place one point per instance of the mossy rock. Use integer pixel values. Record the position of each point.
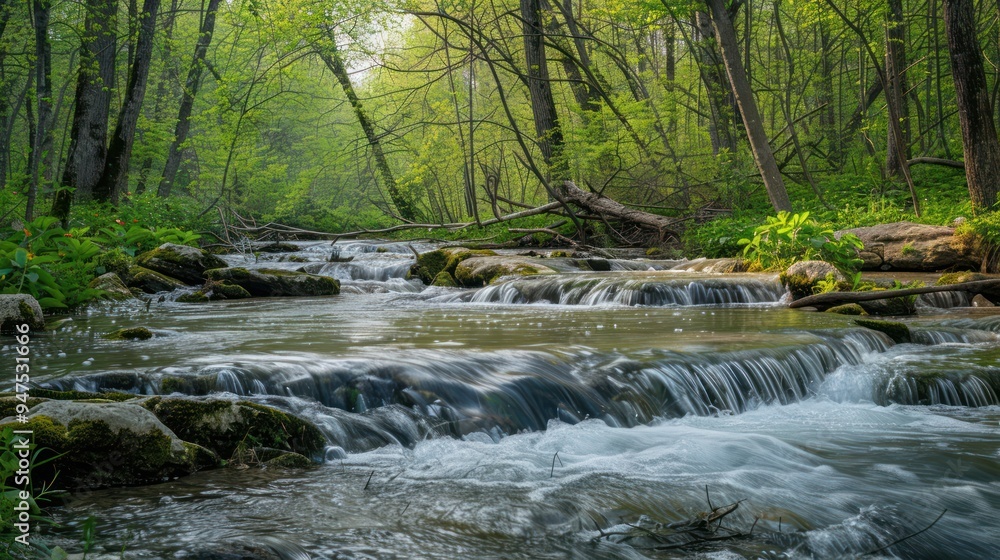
(187, 264)
(891, 307)
(151, 282)
(277, 247)
(130, 333)
(18, 309)
(444, 280)
(898, 332)
(289, 461)
(559, 254)
(960, 277)
(56, 395)
(480, 271)
(188, 385)
(432, 263)
(848, 309)
(193, 297)
(8, 404)
(116, 260)
(96, 445)
(295, 259)
(222, 425)
(269, 282)
(112, 287)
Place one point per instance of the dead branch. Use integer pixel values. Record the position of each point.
(826, 301)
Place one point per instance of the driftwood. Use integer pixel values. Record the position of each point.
(833, 299)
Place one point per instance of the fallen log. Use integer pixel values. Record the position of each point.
(611, 209)
(833, 299)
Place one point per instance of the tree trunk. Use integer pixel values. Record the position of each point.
(979, 135)
(89, 134)
(41, 169)
(114, 179)
(717, 87)
(187, 101)
(762, 154)
(167, 71)
(6, 95)
(543, 106)
(895, 67)
(584, 92)
(332, 59)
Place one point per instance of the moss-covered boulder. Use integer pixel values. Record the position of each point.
(916, 247)
(187, 264)
(269, 282)
(215, 291)
(480, 271)
(289, 461)
(18, 309)
(130, 333)
(112, 286)
(151, 282)
(848, 309)
(96, 445)
(898, 332)
(444, 280)
(992, 294)
(277, 247)
(116, 260)
(223, 425)
(432, 263)
(889, 307)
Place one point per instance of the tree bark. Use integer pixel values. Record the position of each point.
(833, 299)
(41, 168)
(114, 179)
(762, 153)
(89, 133)
(187, 100)
(331, 57)
(7, 115)
(979, 134)
(717, 86)
(543, 107)
(895, 67)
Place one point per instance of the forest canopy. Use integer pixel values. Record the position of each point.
(631, 118)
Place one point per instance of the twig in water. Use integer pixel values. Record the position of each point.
(553, 471)
(369, 479)
(779, 523)
(404, 509)
(755, 520)
(911, 535)
(709, 498)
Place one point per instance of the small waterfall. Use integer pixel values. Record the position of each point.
(653, 290)
(943, 335)
(944, 300)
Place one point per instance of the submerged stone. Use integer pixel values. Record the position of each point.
(848, 309)
(151, 282)
(480, 271)
(898, 332)
(112, 286)
(445, 280)
(130, 333)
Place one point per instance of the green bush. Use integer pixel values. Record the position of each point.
(788, 237)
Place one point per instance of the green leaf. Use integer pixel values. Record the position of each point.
(20, 258)
(50, 303)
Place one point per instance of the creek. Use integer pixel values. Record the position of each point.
(513, 420)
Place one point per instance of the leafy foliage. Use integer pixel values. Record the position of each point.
(788, 237)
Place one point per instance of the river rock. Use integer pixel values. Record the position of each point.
(479, 271)
(721, 266)
(187, 264)
(277, 247)
(979, 300)
(151, 282)
(215, 291)
(108, 444)
(112, 286)
(801, 278)
(907, 246)
(130, 333)
(17, 309)
(223, 425)
(269, 282)
(432, 263)
(992, 294)
(898, 332)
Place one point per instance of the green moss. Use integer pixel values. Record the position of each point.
(289, 461)
(50, 394)
(960, 277)
(223, 425)
(151, 281)
(653, 251)
(848, 309)
(559, 254)
(197, 385)
(225, 290)
(194, 297)
(432, 263)
(8, 405)
(116, 260)
(131, 333)
(444, 279)
(898, 332)
(799, 285)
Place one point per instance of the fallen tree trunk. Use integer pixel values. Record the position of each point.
(833, 299)
(611, 209)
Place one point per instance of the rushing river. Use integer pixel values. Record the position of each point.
(535, 417)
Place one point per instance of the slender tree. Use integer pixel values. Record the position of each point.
(726, 36)
(41, 150)
(114, 178)
(979, 134)
(187, 100)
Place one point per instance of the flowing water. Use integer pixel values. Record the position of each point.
(534, 417)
